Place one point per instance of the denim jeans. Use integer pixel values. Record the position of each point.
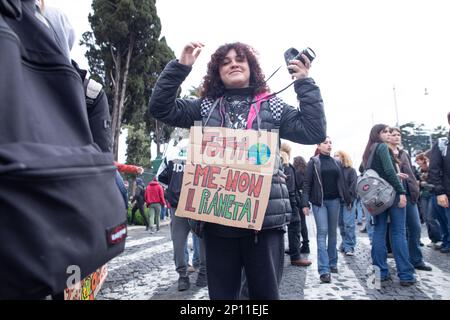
(433, 226)
(347, 227)
(359, 211)
(163, 213)
(196, 255)
(405, 270)
(326, 218)
(413, 231)
(443, 216)
(179, 231)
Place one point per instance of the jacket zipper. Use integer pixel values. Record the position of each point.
(321, 188)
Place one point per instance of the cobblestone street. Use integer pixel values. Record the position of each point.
(146, 271)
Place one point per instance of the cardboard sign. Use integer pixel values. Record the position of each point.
(227, 176)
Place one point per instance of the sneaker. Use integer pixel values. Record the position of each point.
(333, 269)
(202, 280)
(183, 283)
(445, 250)
(325, 278)
(191, 269)
(408, 283)
(363, 230)
(423, 267)
(438, 245)
(349, 253)
(431, 245)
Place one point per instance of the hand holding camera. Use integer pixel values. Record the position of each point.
(299, 62)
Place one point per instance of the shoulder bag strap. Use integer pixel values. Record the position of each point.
(371, 155)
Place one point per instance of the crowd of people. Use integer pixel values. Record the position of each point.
(232, 260)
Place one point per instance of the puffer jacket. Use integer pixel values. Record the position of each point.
(306, 126)
(312, 186)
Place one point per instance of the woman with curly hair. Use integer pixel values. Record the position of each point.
(234, 95)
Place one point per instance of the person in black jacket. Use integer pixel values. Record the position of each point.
(139, 202)
(300, 171)
(294, 198)
(325, 188)
(233, 79)
(439, 176)
(96, 100)
(347, 217)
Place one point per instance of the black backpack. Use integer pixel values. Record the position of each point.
(56, 225)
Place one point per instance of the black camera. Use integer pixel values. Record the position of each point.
(294, 54)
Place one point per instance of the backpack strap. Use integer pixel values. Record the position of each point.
(92, 90)
(371, 155)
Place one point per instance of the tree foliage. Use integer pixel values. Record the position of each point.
(415, 138)
(126, 55)
(138, 151)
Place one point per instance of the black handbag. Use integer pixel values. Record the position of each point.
(62, 215)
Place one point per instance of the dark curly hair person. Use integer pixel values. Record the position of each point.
(213, 86)
(234, 95)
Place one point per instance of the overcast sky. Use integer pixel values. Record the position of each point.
(364, 49)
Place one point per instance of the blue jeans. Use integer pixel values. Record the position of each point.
(347, 227)
(405, 270)
(326, 218)
(196, 256)
(359, 211)
(413, 233)
(163, 213)
(443, 216)
(433, 227)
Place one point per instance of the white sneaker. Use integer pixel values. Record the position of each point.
(350, 253)
(438, 245)
(190, 269)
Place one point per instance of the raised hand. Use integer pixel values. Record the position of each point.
(190, 53)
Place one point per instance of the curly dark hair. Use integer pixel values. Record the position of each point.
(213, 87)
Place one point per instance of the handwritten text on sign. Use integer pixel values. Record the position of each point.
(227, 176)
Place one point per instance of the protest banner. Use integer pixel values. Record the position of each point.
(227, 176)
